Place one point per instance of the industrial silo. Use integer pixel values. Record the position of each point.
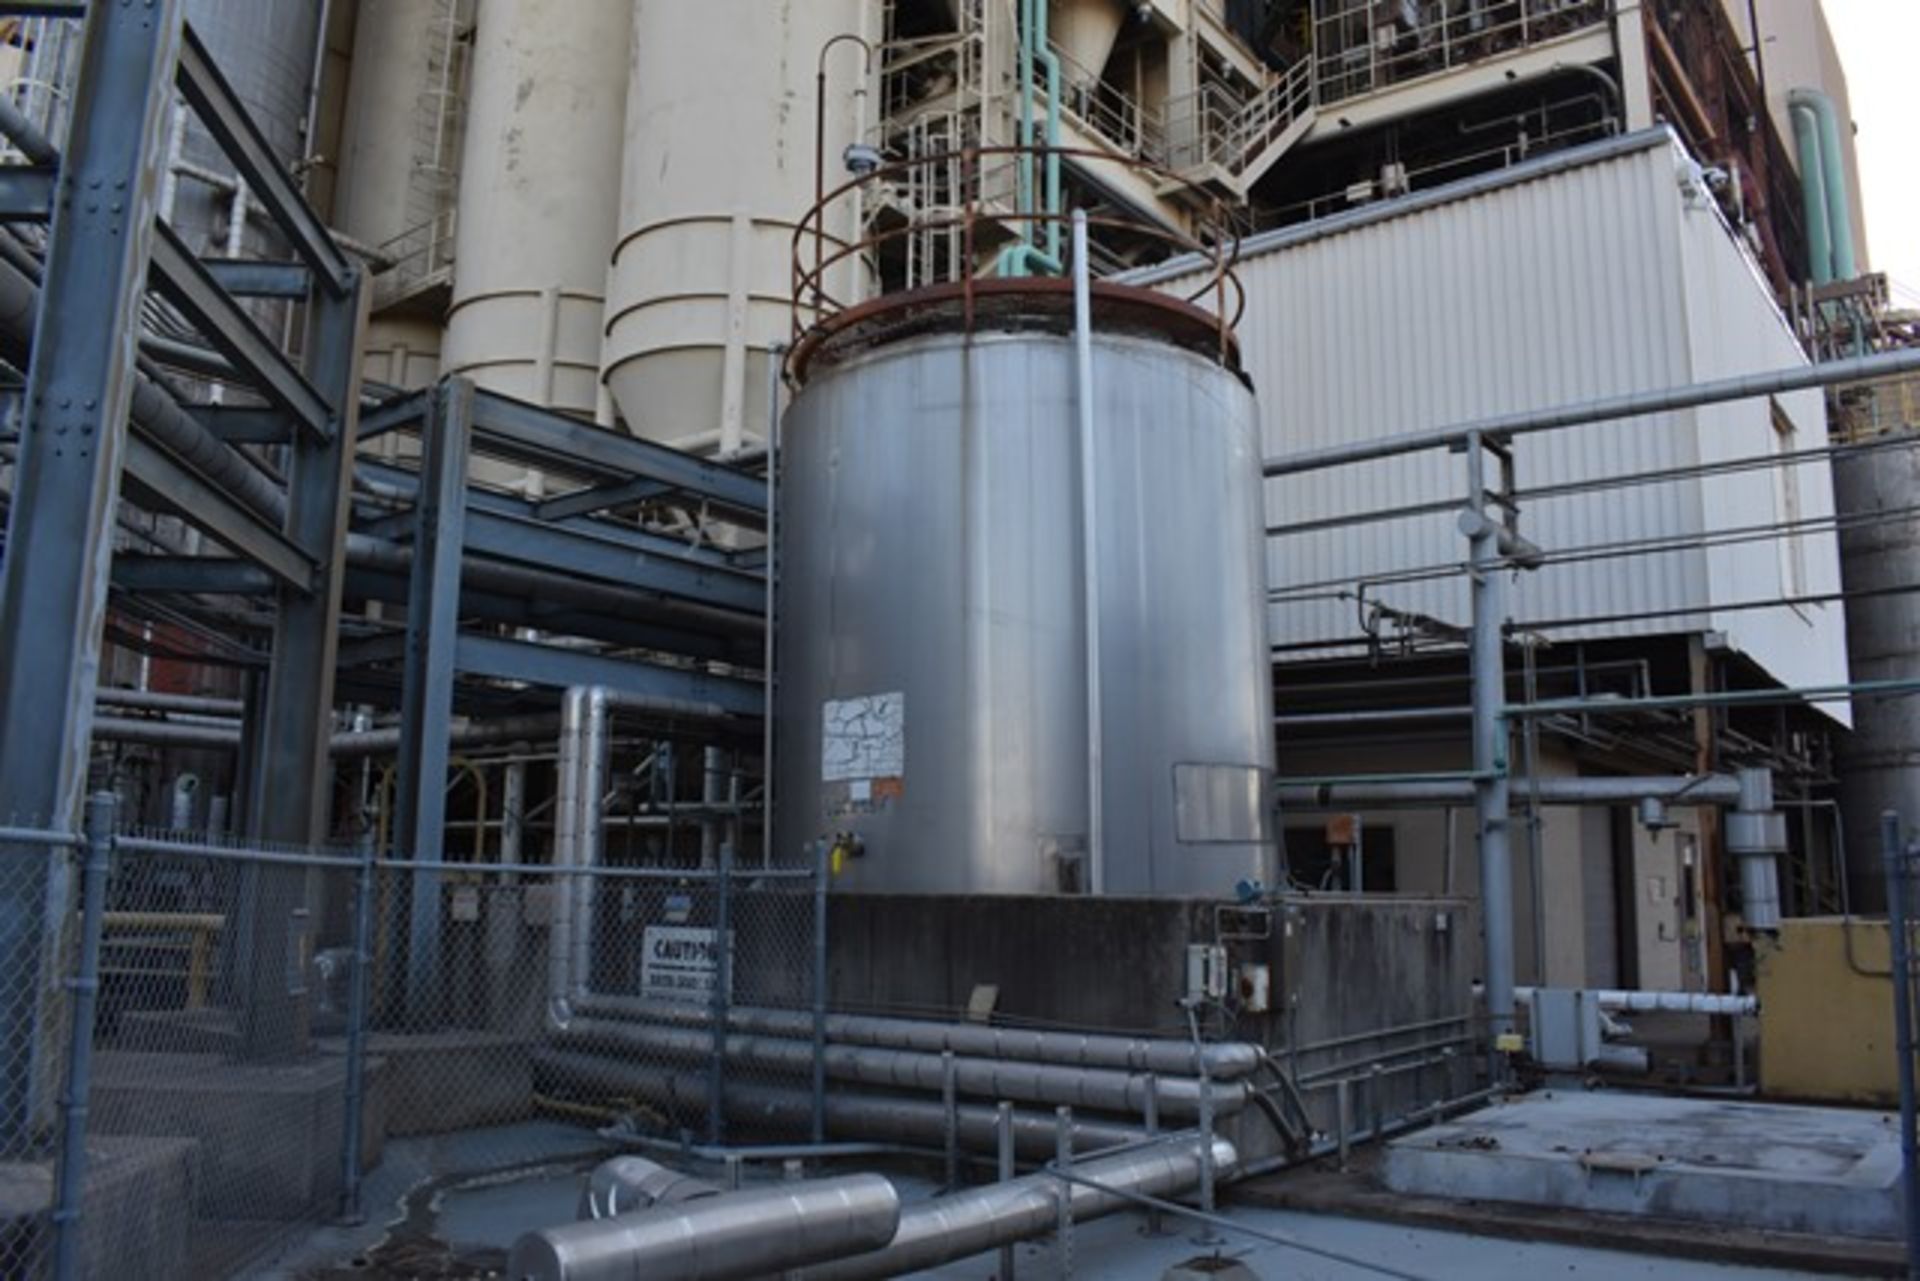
(720, 158)
(539, 190)
(934, 650)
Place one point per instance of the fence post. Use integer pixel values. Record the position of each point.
(722, 993)
(1895, 855)
(357, 984)
(820, 875)
(85, 985)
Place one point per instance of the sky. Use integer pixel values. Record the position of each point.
(1879, 42)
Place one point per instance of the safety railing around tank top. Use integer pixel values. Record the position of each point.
(982, 218)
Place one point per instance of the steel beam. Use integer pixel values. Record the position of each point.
(190, 575)
(26, 193)
(220, 110)
(164, 483)
(541, 438)
(426, 700)
(244, 424)
(53, 585)
(594, 555)
(290, 777)
(560, 668)
(245, 279)
(185, 281)
(403, 412)
(599, 498)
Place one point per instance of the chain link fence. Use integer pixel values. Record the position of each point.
(216, 1048)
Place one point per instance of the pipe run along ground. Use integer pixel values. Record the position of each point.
(1164, 1056)
(1097, 1089)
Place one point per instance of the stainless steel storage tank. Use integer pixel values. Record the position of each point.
(1879, 762)
(932, 625)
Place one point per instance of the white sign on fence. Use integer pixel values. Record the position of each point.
(680, 963)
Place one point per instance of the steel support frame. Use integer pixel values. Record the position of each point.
(1484, 520)
(53, 585)
(426, 711)
(290, 785)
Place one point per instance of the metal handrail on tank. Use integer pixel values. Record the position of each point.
(1215, 241)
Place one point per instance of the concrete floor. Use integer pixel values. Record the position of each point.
(462, 1227)
(1774, 1167)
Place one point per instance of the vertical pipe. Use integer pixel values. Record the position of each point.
(819, 991)
(1893, 856)
(513, 813)
(85, 985)
(1206, 1141)
(1063, 1190)
(1150, 1120)
(350, 1209)
(1089, 554)
(1003, 1137)
(775, 354)
(1491, 792)
(722, 983)
(1833, 174)
(950, 1114)
(1813, 194)
(591, 795)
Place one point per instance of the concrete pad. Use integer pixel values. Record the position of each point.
(439, 1082)
(135, 1215)
(1779, 1168)
(270, 1133)
(207, 1031)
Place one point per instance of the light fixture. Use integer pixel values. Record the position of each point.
(861, 159)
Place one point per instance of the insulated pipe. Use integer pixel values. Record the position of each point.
(875, 1118)
(1089, 551)
(1097, 1089)
(1677, 789)
(153, 701)
(736, 1234)
(226, 737)
(1162, 1056)
(1813, 193)
(153, 409)
(626, 1184)
(969, 1223)
(1666, 1002)
(1833, 174)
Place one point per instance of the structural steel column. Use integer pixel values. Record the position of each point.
(426, 698)
(53, 586)
(292, 788)
(1491, 790)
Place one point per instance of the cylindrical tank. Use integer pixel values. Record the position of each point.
(1879, 762)
(266, 51)
(389, 184)
(539, 190)
(932, 625)
(719, 169)
(1085, 30)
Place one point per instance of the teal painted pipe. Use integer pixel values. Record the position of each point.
(1813, 193)
(1833, 157)
(1022, 258)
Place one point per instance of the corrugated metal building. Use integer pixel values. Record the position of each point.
(1588, 273)
(1591, 272)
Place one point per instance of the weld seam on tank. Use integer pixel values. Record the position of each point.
(1016, 1080)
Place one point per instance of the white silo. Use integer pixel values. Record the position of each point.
(539, 191)
(392, 182)
(719, 169)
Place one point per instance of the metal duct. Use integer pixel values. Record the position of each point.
(1223, 1061)
(1665, 1002)
(628, 1184)
(737, 1234)
(870, 1118)
(1678, 789)
(967, 1223)
(1098, 1089)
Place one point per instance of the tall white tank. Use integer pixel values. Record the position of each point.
(398, 56)
(719, 169)
(539, 192)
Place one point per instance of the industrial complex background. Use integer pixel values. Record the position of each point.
(856, 638)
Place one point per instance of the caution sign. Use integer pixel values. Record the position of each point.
(680, 963)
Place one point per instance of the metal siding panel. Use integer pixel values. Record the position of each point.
(1548, 291)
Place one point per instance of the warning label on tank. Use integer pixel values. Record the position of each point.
(862, 739)
(680, 963)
